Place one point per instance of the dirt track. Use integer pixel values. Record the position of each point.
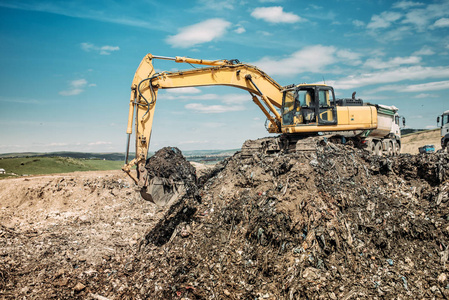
(335, 224)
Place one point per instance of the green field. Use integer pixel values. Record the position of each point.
(50, 165)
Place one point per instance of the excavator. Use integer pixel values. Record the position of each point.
(296, 112)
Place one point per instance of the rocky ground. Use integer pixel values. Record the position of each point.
(335, 223)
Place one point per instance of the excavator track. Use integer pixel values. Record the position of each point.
(281, 143)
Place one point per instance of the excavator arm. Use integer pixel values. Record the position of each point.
(265, 92)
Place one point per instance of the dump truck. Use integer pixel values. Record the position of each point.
(444, 118)
(301, 115)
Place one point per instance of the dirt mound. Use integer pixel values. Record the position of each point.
(332, 224)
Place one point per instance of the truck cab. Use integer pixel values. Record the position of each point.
(444, 118)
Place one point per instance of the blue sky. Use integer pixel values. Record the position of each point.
(67, 66)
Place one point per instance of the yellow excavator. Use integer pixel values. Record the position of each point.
(296, 112)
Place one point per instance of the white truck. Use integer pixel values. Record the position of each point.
(386, 138)
(444, 118)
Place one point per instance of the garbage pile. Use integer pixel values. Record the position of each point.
(335, 224)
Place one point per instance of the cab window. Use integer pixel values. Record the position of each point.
(325, 98)
(445, 119)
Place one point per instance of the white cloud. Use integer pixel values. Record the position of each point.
(185, 90)
(264, 33)
(358, 23)
(426, 50)
(103, 50)
(232, 99)
(429, 86)
(384, 20)
(71, 92)
(275, 14)
(213, 109)
(309, 59)
(106, 50)
(348, 57)
(423, 95)
(229, 99)
(421, 17)
(78, 83)
(240, 30)
(443, 22)
(99, 143)
(76, 88)
(87, 47)
(392, 63)
(406, 4)
(199, 33)
(418, 18)
(390, 76)
(200, 97)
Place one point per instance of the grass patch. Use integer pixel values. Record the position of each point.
(50, 165)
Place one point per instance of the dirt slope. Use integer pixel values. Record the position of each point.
(411, 142)
(330, 224)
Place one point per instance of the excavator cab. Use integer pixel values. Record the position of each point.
(309, 104)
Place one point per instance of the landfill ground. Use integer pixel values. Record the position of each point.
(335, 223)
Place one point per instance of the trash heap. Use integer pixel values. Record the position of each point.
(337, 223)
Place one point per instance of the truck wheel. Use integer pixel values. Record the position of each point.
(371, 147)
(390, 149)
(393, 148)
(397, 148)
(378, 148)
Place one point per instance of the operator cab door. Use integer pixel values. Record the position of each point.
(309, 105)
(327, 113)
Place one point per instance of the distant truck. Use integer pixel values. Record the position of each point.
(427, 149)
(444, 118)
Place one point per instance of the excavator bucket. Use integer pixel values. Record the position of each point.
(162, 192)
(170, 177)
